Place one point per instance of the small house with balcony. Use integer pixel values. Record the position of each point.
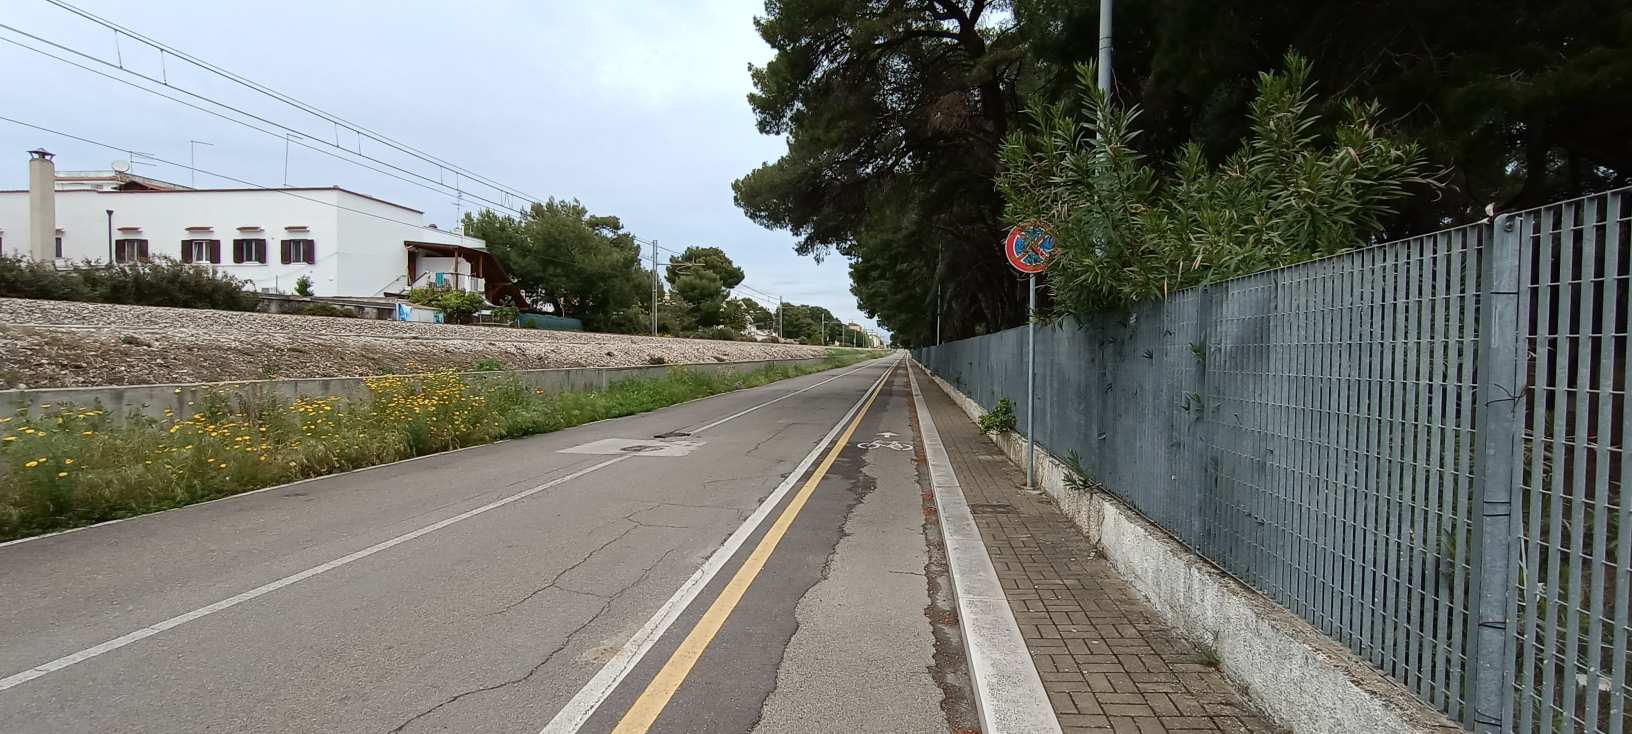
(348, 244)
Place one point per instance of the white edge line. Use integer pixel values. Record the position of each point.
(741, 413)
(267, 588)
(143, 633)
(577, 711)
(372, 467)
(1009, 694)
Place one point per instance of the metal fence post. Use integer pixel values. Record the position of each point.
(1496, 476)
(1204, 455)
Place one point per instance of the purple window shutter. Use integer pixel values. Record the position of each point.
(141, 250)
(215, 251)
(186, 251)
(311, 252)
(238, 251)
(284, 251)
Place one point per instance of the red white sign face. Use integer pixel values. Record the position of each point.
(1029, 247)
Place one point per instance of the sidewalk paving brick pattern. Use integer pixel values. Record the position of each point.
(1109, 664)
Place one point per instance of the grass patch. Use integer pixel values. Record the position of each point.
(78, 465)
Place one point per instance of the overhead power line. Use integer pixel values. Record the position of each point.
(425, 182)
(360, 130)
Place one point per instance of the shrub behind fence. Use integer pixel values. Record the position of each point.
(1416, 446)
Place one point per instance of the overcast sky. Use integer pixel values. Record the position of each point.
(638, 109)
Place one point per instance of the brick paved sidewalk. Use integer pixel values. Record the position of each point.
(1108, 662)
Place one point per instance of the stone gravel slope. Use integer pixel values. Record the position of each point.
(67, 344)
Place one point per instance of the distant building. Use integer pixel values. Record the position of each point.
(348, 244)
(860, 337)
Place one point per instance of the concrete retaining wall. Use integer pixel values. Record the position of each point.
(283, 303)
(1302, 679)
(184, 399)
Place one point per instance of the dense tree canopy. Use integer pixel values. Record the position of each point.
(1127, 232)
(704, 276)
(805, 323)
(557, 252)
(894, 111)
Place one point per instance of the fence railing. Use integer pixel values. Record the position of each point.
(1416, 446)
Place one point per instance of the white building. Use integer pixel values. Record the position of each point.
(347, 243)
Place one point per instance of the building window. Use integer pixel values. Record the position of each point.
(201, 251)
(126, 251)
(59, 247)
(249, 251)
(299, 251)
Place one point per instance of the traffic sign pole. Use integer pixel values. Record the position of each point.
(1031, 381)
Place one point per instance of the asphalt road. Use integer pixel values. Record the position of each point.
(761, 568)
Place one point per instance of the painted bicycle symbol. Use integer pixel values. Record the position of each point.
(891, 445)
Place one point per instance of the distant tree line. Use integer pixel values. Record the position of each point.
(588, 267)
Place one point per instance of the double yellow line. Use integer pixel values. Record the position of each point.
(645, 710)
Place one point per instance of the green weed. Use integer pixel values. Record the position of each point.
(999, 419)
(77, 465)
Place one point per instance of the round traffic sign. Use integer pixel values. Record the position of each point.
(1029, 247)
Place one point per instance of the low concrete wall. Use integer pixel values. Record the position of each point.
(184, 399)
(284, 303)
(1302, 679)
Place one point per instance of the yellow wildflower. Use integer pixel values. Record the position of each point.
(32, 464)
(61, 474)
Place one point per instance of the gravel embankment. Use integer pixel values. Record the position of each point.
(66, 344)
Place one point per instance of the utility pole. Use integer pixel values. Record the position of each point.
(654, 287)
(780, 307)
(938, 306)
(192, 160)
(1105, 48)
(286, 139)
(823, 332)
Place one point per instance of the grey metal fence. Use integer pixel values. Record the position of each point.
(1416, 446)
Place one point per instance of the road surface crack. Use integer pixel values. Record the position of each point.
(774, 434)
(554, 582)
(606, 603)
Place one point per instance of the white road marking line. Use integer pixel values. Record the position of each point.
(742, 413)
(594, 693)
(264, 589)
(37, 671)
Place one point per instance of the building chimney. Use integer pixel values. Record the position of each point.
(42, 205)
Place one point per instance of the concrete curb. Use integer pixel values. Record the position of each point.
(1300, 678)
(1009, 694)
